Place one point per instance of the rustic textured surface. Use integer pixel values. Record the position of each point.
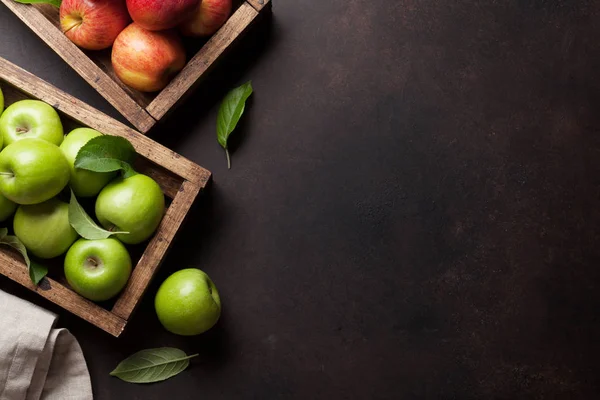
(412, 211)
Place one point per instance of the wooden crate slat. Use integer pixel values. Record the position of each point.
(188, 78)
(93, 118)
(13, 267)
(156, 250)
(82, 64)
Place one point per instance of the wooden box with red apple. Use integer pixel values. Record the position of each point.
(179, 179)
(146, 67)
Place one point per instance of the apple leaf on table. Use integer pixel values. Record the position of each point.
(36, 271)
(55, 3)
(106, 154)
(84, 224)
(230, 112)
(152, 365)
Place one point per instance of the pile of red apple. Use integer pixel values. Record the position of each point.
(148, 52)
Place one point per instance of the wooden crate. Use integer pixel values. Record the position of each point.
(180, 179)
(143, 110)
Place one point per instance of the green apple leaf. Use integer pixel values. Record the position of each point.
(55, 3)
(230, 112)
(36, 271)
(152, 365)
(84, 224)
(106, 154)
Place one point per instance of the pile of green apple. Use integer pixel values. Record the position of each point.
(149, 52)
(37, 166)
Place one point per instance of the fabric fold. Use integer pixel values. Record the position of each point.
(38, 362)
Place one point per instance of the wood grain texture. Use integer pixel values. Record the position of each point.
(180, 179)
(156, 250)
(189, 77)
(89, 116)
(13, 267)
(37, 19)
(143, 110)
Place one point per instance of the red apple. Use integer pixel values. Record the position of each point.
(209, 17)
(147, 60)
(93, 24)
(158, 15)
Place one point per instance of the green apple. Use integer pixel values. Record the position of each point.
(32, 171)
(97, 269)
(1, 109)
(7, 208)
(30, 119)
(135, 205)
(188, 303)
(84, 183)
(44, 228)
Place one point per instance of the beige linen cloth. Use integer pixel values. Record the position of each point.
(36, 360)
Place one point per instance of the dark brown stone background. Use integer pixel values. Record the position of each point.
(412, 211)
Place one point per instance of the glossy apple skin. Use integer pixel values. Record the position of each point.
(158, 15)
(135, 205)
(44, 228)
(7, 208)
(97, 269)
(32, 171)
(146, 60)
(93, 24)
(208, 18)
(30, 119)
(84, 183)
(188, 303)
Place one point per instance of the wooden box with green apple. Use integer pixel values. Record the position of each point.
(180, 180)
(142, 109)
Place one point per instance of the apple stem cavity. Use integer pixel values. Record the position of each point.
(22, 130)
(75, 21)
(92, 262)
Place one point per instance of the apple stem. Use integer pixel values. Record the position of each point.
(7, 173)
(92, 261)
(228, 159)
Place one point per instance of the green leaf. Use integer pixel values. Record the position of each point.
(106, 154)
(36, 271)
(84, 225)
(55, 3)
(152, 365)
(230, 113)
